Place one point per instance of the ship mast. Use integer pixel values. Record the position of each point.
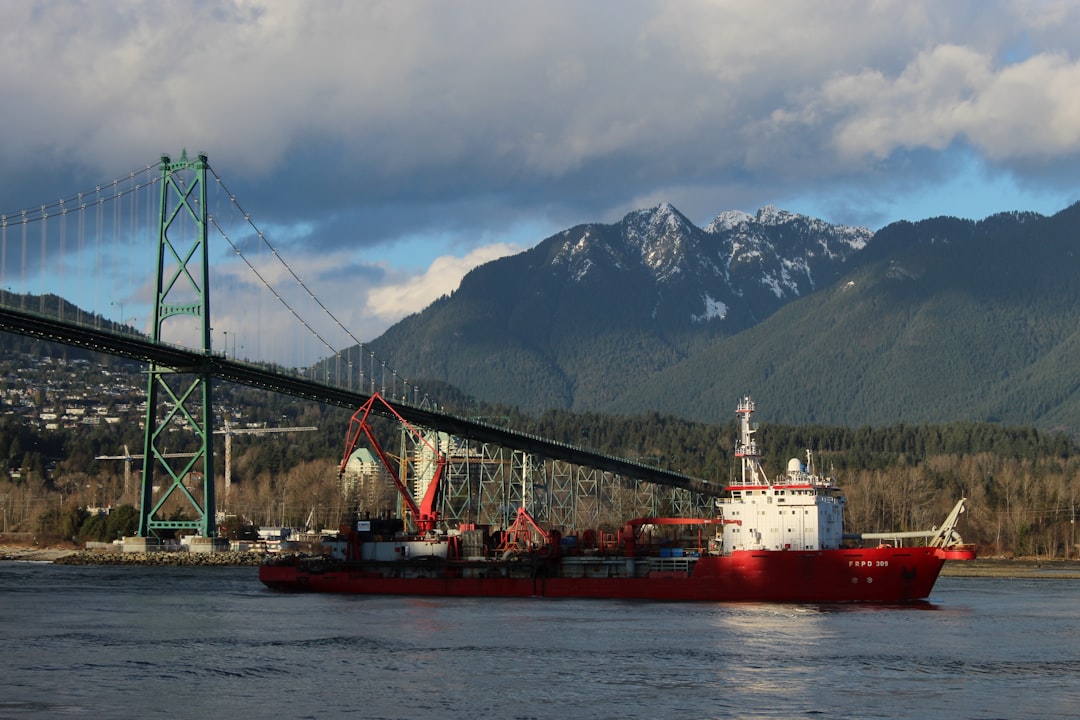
(747, 449)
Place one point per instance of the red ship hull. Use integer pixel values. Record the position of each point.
(873, 575)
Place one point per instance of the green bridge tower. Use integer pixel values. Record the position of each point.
(178, 487)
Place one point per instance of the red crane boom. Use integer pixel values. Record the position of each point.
(424, 516)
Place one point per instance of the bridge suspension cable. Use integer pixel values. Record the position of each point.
(53, 238)
(334, 351)
(97, 230)
(82, 200)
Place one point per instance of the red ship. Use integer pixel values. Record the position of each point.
(771, 540)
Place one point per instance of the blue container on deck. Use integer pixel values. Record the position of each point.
(676, 552)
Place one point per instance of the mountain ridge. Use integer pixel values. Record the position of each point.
(964, 320)
(570, 321)
(931, 321)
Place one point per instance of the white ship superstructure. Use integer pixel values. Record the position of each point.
(799, 510)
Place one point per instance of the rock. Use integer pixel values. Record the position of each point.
(184, 559)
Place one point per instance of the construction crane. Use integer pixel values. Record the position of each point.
(229, 431)
(128, 458)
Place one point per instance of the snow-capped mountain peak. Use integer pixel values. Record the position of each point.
(745, 264)
(771, 215)
(728, 220)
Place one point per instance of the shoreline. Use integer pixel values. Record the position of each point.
(33, 553)
(1018, 568)
(69, 556)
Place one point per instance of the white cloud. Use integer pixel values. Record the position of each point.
(373, 122)
(1031, 110)
(505, 96)
(1027, 110)
(392, 302)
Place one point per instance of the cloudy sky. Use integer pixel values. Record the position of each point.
(387, 147)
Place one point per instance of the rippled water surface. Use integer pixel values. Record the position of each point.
(212, 642)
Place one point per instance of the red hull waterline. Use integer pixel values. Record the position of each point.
(870, 575)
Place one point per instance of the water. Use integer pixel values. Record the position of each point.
(212, 642)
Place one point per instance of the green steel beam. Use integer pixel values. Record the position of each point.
(179, 494)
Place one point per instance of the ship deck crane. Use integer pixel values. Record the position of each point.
(424, 516)
(941, 537)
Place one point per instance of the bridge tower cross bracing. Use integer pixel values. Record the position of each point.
(178, 400)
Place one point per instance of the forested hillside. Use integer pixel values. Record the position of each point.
(1022, 485)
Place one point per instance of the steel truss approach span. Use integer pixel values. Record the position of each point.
(181, 359)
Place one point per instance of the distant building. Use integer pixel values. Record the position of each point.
(364, 479)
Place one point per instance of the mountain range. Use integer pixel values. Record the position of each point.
(920, 322)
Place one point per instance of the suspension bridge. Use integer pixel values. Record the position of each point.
(73, 271)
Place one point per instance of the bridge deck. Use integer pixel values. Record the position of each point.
(140, 349)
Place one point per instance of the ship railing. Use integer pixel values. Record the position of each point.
(894, 539)
(748, 449)
(672, 564)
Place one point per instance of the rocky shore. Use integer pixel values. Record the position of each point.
(66, 556)
(186, 559)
